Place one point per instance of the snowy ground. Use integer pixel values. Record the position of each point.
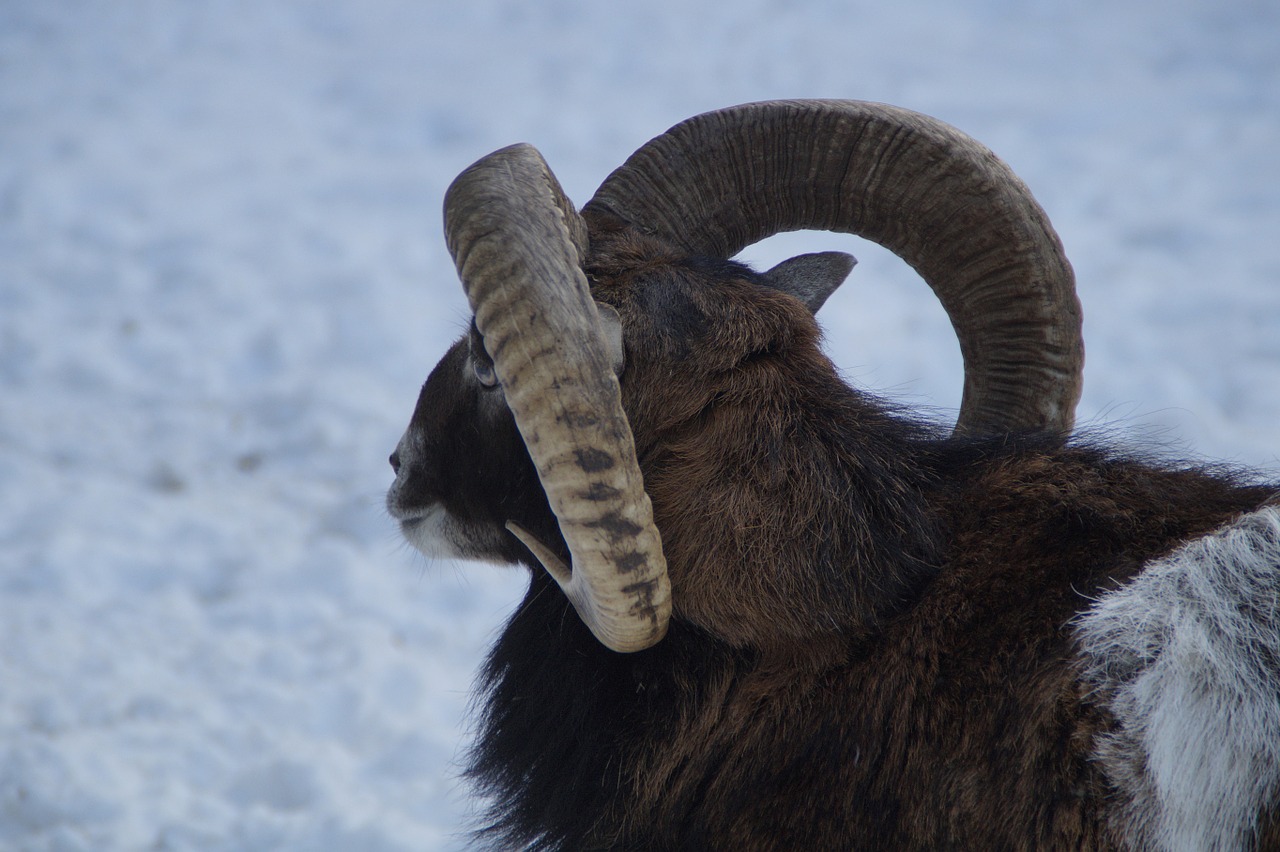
(222, 281)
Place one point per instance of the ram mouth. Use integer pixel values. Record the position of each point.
(408, 517)
(415, 524)
(435, 533)
(404, 515)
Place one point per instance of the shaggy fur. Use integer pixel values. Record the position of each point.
(1187, 658)
(872, 642)
(959, 723)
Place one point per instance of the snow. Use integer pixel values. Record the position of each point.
(222, 281)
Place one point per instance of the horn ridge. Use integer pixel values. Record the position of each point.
(518, 243)
(939, 199)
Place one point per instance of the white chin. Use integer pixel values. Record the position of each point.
(439, 535)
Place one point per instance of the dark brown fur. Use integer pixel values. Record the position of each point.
(871, 645)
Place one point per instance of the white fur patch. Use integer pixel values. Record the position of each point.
(1187, 658)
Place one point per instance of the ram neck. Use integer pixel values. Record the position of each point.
(787, 517)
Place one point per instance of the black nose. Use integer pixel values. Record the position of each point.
(395, 462)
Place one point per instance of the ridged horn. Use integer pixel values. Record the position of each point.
(937, 198)
(518, 244)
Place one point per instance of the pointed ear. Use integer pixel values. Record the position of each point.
(611, 325)
(811, 278)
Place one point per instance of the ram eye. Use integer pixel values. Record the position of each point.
(484, 373)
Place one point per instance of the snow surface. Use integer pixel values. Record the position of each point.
(222, 281)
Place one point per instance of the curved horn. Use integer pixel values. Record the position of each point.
(517, 243)
(943, 202)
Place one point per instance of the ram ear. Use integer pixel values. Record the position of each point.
(611, 327)
(811, 278)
